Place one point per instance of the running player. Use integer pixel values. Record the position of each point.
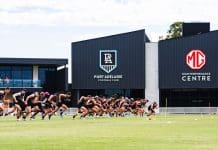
(32, 102)
(48, 102)
(81, 104)
(7, 98)
(151, 109)
(2, 93)
(63, 99)
(19, 104)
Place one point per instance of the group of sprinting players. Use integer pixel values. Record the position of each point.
(26, 105)
(114, 106)
(30, 105)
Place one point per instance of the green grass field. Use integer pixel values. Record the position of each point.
(176, 132)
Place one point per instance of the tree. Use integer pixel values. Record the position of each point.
(175, 30)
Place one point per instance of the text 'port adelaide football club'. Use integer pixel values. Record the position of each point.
(196, 60)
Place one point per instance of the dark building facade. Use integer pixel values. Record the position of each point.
(109, 65)
(34, 74)
(188, 71)
(180, 72)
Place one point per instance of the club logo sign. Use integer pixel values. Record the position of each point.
(108, 60)
(196, 59)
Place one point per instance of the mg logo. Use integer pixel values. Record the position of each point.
(108, 60)
(195, 59)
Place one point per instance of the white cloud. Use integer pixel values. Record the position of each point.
(105, 12)
(104, 17)
(37, 27)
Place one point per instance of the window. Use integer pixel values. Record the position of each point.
(16, 76)
(5, 76)
(43, 73)
(27, 73)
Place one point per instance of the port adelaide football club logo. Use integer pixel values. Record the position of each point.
(196, 60)
(108, 60)
(108, 63)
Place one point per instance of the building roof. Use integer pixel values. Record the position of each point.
(115, 35)
(34, 61)
(191, 36)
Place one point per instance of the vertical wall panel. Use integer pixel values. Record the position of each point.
(152, 89)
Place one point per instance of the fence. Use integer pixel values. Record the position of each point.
(169, 110)
(71, 111)
(188, 110)
(20, 83)
(172, 110)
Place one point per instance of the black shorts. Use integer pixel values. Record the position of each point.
(133, 107)
(35, 104)
(21, 104)
(90, 106)
(79, 106)
(59, 104)
(12, 104)
(151, 110)
(29, 103)
(47, 105)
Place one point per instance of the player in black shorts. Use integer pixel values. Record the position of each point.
(81, 104)
(31, 103)
(38, 104)
(151, 109)
(48, 102)
(61, 104)
(52, 102)
(19, 104)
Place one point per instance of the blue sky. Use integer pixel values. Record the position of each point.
(46, 28)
